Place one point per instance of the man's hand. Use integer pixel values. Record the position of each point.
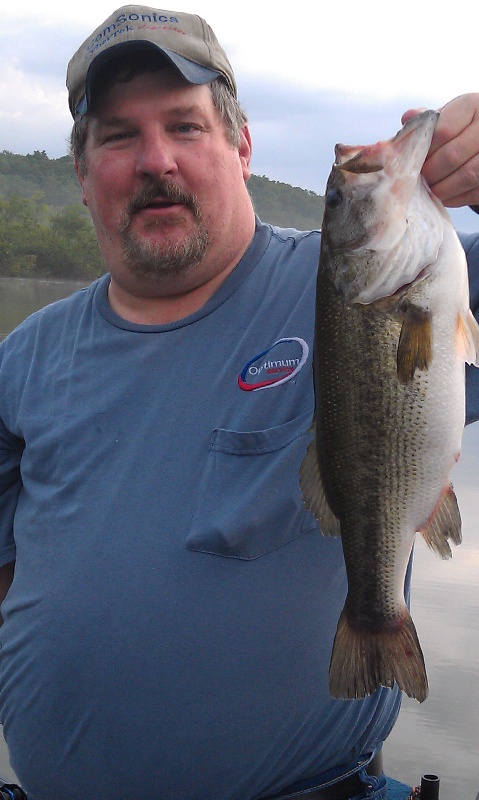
(452, 165)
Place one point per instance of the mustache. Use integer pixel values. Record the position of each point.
(162, 190)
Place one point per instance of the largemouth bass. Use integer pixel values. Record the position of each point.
(393, 333)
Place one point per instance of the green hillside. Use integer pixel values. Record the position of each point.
(45, 230)
(27, 175)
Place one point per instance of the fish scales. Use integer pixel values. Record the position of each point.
(371, 408)
(393, 331)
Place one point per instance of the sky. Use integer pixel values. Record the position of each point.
(309, 74)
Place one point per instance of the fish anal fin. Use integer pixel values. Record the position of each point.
(415, 343)
(364, 659)
(313, 493)
(443, 525)
(468, 338)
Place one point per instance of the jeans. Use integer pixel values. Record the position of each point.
(374, 788)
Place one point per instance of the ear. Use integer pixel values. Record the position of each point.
(81, 180)
(245, 150)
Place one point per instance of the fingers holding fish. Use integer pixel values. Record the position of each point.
(457, 116)
(452, 166)
(453, 191)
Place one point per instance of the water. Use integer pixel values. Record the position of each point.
(20, 297)
(442, 734)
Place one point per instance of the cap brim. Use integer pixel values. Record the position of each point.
(190, 70)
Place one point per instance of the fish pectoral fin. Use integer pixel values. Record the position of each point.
(312, 489)
(443, 525)
(415, 343)
(468, 336)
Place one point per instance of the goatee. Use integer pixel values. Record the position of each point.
(153, 261)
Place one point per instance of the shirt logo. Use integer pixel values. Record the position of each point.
(268, 369)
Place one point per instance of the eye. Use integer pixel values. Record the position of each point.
(334, 198)
(116, 137)
(188, 128)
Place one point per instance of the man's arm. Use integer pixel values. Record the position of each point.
(6, 578)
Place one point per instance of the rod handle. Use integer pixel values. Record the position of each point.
(429, 787)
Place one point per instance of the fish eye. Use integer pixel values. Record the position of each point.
(333, 198)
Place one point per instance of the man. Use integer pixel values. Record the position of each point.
(168, 631)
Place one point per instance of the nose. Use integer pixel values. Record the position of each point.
(155, 157)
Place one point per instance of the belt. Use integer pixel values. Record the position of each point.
(343, 789)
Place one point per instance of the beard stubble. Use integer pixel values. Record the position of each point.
(154, 261)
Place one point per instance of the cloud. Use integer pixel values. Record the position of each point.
(294, 127)
(33, 110)
(40, 50)
(34, 116)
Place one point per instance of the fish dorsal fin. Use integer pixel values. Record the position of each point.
(444, 524)
(415, 343)
(312, 489)
(468, 334)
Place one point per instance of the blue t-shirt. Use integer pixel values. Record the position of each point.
(171, 620)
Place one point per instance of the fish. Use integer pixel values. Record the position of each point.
(393, 332)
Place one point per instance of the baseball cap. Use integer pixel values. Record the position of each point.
(186, 40)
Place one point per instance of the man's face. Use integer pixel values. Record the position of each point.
(162, 183)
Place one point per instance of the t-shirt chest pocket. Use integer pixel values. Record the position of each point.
(249, 501)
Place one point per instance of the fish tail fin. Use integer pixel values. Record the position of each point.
(365, 659)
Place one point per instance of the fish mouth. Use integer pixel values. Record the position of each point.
(407, 142)
(368, 159)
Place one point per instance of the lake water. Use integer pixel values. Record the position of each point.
(441, 735)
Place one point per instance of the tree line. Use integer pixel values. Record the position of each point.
(35, 243)
(46, 232)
